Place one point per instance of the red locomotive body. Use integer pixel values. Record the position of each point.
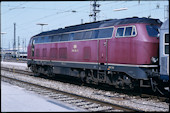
(96, 53)
(123, 50)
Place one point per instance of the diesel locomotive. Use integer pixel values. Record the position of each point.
(123, 53)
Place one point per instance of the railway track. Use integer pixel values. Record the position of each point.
(83, 102)
(144, 94)
(20, 60)
(106, 106)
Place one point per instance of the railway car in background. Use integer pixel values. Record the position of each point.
(23, 54)
(118, 52)
(164, 51)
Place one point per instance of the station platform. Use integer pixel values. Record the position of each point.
(17, 99)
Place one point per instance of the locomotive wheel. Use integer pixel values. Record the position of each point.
(82, 76)
(122, 81)
(50, 72)
(90, 77)
(33, 68)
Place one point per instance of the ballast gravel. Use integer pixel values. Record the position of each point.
(144, 104)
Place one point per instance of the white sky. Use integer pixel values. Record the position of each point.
(58, 14)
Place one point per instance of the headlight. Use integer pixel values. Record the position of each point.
(154, 60)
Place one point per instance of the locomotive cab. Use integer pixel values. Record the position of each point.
(153, 34)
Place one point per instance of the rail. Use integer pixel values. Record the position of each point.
(89, 103)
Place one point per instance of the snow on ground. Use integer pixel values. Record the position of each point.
(17, 99)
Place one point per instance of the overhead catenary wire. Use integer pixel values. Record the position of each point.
(56, 15)
(23, 27)
(47, 16)
(18, 6)
(50, 15)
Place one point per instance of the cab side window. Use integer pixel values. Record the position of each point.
(119, 32)
(126, 31)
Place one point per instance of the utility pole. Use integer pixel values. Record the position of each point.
(14, 46)
(41, 24)
(25, 44)
(18, 43)
(9, 46)
(95, 10)
(2, 33)
(81, 21)
(1, 48)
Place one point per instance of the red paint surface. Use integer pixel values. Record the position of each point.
(129, 50)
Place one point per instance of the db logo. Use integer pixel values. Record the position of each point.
(74, 48)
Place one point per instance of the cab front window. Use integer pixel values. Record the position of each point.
(152, 30)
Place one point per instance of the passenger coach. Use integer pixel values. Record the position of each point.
(164, 51)
(119, 52)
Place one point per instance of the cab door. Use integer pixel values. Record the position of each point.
(104, 34)
(102, 51)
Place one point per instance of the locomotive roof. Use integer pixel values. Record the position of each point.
(103, 23)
